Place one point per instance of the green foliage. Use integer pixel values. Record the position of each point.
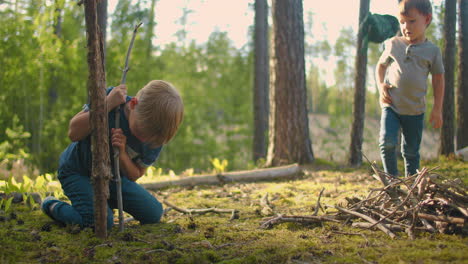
(42, 185)
(13, 147)
(6, 204)
(44, 83)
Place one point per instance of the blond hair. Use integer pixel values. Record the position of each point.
(159, 111)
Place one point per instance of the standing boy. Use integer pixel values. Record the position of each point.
(401, 75)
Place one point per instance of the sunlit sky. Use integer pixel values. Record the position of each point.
(235, 17)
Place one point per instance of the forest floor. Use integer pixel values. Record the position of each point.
(28, 236)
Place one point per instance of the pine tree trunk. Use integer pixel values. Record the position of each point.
(53, 93)
(149, 33)
(102, 22)
(359, 111)
(448, 126)
(100, 174)
(462, 92)
(261, 79)
(289, 140)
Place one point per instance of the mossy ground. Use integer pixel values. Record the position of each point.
(28, 236)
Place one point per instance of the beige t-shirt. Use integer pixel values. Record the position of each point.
(407, 71)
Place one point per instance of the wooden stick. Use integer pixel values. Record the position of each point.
(367, 218)
(423, 172)
(383, 179)
(118, 180)
(393, 227)
(443, 218)
(318, 206)
(234, 213)
(270, 221)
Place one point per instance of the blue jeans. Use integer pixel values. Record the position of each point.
(137, 201)
(411, 129)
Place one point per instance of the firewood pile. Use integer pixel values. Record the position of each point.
(425, 201)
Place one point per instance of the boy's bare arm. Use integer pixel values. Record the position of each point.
(438, 84)
(132, 170)
(383, 87)
(79, 126)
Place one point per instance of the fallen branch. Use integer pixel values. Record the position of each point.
(405, 205)
(443, 218)
(318, 206)
(234, 213)
(367, 218)
(271, 221)
(284, 172)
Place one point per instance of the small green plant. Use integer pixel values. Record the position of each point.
(43, 185)
(152, 173)
(6, 204)
(219, 165)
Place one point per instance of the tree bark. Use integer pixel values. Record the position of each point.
(289, 140)
(102, 22)
(100, 173)
(462, 92)
(53, 93)
(261, 79)
(448, 127)
(359, 111)
(149, 33)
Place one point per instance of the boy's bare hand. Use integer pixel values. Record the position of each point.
(118, 139)
(384, 94)
(436, 118)
(116, 97)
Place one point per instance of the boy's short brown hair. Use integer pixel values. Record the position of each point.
(423, 6)
(159, 112)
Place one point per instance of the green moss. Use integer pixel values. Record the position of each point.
(213, 238)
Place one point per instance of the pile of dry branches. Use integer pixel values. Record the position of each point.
(425, 201)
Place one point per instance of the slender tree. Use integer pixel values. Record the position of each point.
(462, 92)
(261, 80)
(149, 30)
(448, 126)
(58, 34)
(102, 22)
(100, 173)
(355, 148)
(289, 139)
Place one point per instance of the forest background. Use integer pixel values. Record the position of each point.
(44, 73)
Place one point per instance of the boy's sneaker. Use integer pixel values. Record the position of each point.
(48, 204)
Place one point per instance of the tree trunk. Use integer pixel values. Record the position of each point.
(289, 140)
(149, 33)
(448, 126)
(53, 94)
(100, 174)
(359, 111)
(102, 22)
(462, 92)
(261, 79)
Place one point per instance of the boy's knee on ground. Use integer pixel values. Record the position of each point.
(153, 215)
(110, 220)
